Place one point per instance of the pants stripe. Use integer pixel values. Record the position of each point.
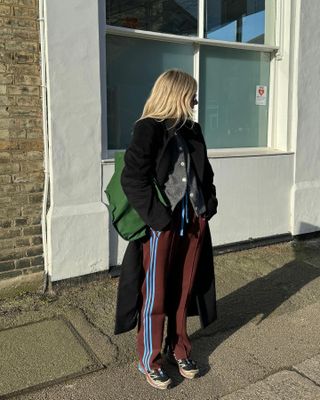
(150, 294)
(146, 307)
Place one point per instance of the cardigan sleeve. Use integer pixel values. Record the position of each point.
(138, 172)
(210, 192)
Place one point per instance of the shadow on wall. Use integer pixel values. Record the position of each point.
(305, 228)
(260, 297)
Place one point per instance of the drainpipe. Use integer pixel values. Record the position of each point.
(46, 283)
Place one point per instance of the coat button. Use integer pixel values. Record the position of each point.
(182, 164)
(180, 148)
(191, 194)
(184, 179)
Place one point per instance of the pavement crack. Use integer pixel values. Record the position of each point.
(293, 369)
(104, 334)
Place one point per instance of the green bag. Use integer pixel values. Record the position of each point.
(124, 217)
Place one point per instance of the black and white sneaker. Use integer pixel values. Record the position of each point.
(157, 378)
(188, 368)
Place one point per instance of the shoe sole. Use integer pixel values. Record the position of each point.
(189, 375)
(162, 386)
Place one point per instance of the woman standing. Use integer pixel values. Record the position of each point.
(169, 272)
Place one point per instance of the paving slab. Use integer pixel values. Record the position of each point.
(285, 385)
(40, 353)
(310, 368)
(269, 316)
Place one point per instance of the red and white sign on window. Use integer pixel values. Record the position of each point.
(261, 95)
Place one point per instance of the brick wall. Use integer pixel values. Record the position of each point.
(21, 140)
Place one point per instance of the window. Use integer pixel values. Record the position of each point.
(237, 20)
(227, 45)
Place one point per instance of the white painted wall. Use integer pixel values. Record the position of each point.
(77, 219)
(307, 169)
(254, 199)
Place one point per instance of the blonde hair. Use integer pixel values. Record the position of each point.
(171, 97)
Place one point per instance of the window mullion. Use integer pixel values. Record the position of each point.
(201, 18)
(196, 74)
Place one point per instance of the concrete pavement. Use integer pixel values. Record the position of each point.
(265, 344)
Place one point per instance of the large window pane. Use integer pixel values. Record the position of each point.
(178, 17)
(228, 110)
(132, 67)
(236, 20)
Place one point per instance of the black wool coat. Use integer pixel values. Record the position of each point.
(146, 157)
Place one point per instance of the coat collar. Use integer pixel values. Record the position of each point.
(195, 145)
(185, 128)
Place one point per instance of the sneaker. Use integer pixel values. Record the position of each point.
(157, 378)
(188, 368)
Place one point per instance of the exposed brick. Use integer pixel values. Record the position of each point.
(34, 144)
(35, 198)
(23, 89)
(36, 240)
(9, 144)
(6, 79)
(7, 100)
(35, 251)
(34, 134)
(30, 122)
(10, 254)
(21, 23)
(6, 265)
(10, 212)
(7, 243)
(9, 168)
(7, 189)
(22, 263)
(21, 221)
(28, 101)
(34, 155)
(32, 187)
(35, 220)
(21, 139)
(4, 123)
(5, 223)
(5, 179)
(27, 80)
(4, 111)
(5, 10)
(9, 233)
(10, 274)
(24, 12)
(4, 134)
(38, 260)
(23, 242)
(35, 269)
(32, 230)
(27, 3)
(28, 47)
(17, 133)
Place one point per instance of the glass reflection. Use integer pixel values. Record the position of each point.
(236, 20)
(178, 17)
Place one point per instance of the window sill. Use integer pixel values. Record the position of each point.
(232, 153)
(246, 152)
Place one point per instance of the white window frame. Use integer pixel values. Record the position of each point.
(277, 133)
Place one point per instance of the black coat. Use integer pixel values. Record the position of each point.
(147, 156)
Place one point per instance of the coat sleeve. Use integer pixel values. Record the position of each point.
(137, 175)
(210, 189)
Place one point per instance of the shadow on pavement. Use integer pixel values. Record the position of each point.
(260, 297)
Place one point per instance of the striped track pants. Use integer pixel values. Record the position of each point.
(169, 261)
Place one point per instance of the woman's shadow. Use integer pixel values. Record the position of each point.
(257, 298)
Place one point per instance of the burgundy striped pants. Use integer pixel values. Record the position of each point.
(170, 260)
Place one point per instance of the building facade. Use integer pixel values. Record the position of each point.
(256, 66)
(21, 140)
